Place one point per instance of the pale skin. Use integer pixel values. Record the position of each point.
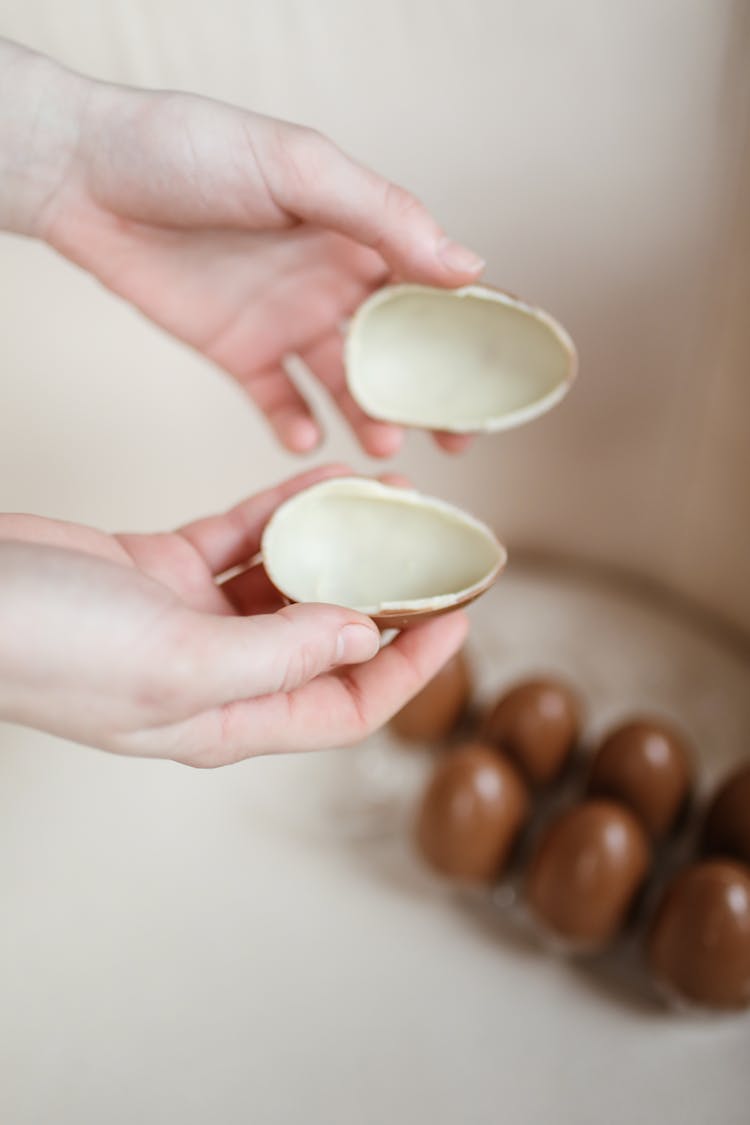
(248, 238)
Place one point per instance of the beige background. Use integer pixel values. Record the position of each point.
(597, 155)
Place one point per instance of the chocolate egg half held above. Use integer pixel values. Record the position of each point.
(647, 765)
(537, 723)
(435, 712)
(727, 827)
(395, 554)
(699, 942)
(461, 360)
(585, 873)
(471, 814)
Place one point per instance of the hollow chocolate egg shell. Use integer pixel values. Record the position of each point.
(537, 722)
(435, 712)
(471, 814)
(647, 765)
(585, 872)
(392, 553)
(459, 360)
(698, 946)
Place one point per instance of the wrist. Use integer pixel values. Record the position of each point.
(41, 112)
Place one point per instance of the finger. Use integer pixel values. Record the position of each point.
(398, 480)
(325, 360)
(232, 538)
(252, 592)
(331, 710)
(312, 179)
(454, 443)
(223, 659)
(398, 672)
(290, 417)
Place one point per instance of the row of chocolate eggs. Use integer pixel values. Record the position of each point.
(588, 865)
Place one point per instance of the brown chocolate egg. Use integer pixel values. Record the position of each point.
(727, 827)
(435, 712)
(585, 873)
(646, 765)
(537, 723)
(699, 943)
(471, 814)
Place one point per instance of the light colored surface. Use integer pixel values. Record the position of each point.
(375, 547)
(259, 944)
(471, 360)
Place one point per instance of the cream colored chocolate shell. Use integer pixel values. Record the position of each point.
(460, 360)
(392, 553)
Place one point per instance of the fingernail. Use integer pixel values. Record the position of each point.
(304, 436)
(356, 643)
(459, 258)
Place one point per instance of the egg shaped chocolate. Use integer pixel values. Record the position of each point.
(698, 945)
(392, 553)
(585, 873)
(647, 765)
(537, 723)
(462, 360)
(435, 712)
(726, 830)
(471, 815)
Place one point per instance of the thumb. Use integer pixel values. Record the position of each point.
(312, 179)
(244, 657)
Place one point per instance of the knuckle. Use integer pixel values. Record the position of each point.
(175, 670)
(309, 136)
(300, 658)
(299, 666)
(364, 721)
(304, 151)
(400, 203)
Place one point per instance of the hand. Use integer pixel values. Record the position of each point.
(132, 643)
(246, 237)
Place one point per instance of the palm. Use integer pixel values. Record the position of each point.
(169, 559)
(243, 299)
(149, 649)
(174, 567)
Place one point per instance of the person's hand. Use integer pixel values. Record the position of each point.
(247, 237)
(132, 643)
